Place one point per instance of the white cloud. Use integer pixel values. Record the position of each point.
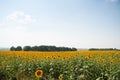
(20, 18)
(2, 25)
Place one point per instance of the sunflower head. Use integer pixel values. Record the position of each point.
(39, 73)
(60, 77)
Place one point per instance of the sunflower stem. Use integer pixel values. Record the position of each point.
(38, 78)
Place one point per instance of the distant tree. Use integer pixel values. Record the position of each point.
(18, 48)
(47, 48)
(74, 49)
(12, 48)
(53, 48)
(27, 48)
(102, 49)
(43, 48)
(34, 48)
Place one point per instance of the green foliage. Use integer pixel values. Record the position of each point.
(18, 48)
(27, 48)
(42, 48)
(12, 48)
(103, 49)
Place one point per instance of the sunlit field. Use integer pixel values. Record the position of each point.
(74, 65)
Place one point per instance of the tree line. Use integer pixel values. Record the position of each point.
(41, 48)
(103, 49)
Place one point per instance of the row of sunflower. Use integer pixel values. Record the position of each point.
(77, 65)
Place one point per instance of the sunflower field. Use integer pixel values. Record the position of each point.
(74, 65)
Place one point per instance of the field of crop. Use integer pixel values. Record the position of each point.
(74, 65)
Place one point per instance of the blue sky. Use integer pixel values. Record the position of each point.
(72, 23)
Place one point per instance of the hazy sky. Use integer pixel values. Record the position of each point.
(72, 23)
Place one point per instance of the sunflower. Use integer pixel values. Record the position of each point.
(60, 77)
(39, 73)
